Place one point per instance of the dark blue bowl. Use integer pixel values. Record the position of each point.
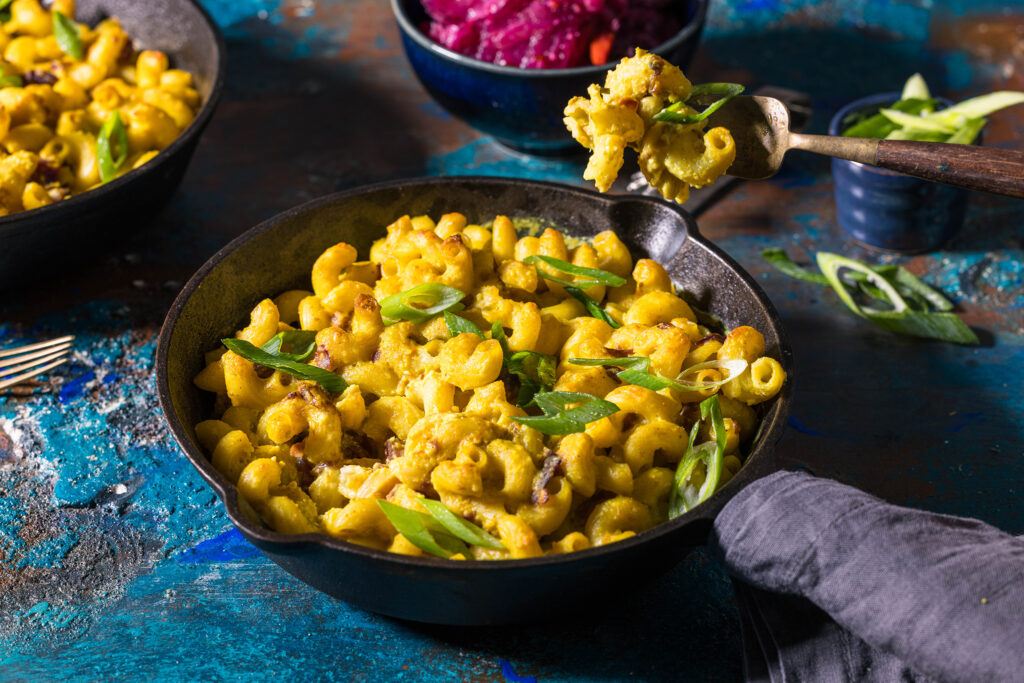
(890, 210)
(521, 108)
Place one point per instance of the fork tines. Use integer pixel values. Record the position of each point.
(32, 360)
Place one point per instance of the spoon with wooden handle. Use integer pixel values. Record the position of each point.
(760, 128)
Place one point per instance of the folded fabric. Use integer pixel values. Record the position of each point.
(916, 594)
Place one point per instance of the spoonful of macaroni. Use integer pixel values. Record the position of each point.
(649, 105)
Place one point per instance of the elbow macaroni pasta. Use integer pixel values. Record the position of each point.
(673, 157)
(429, 414)
(52, 105)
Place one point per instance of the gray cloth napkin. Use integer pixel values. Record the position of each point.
(837, 585)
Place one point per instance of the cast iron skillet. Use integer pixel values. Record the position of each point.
(34, 243)
(278, 255)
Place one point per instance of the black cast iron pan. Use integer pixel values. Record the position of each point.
(35, 244)
(278, 255)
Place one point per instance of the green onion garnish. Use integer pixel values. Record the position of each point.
(9, 80)
(111, 133)
(5, 11)
(684, 495)
(671, 113)
(637, 371)
(303, 343)
(596, 275)
(410, 524)
(420, 303)
(289, 363)
(442, 533)
(780, 259)
(459, 527)
(66, 33)
(535, 371)
(458, 325)
(593, 308)
(557, 420)
(498, 332)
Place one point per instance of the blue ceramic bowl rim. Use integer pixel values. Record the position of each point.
(405, 24)
(865, 103)
(26, 220)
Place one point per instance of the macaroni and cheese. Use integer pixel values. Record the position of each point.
(673, 157)
(404, 403)
(78, 105)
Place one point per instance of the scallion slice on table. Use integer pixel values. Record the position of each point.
(914, 308)
(112, 135)
(420, 303)
(271, 356)
(686, 493)
(673, 113)
(65, 32)
(559, 420)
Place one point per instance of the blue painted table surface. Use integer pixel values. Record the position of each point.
(117, 561)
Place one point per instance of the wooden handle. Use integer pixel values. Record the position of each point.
(977, 168)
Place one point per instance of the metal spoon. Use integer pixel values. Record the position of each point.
(760, 128)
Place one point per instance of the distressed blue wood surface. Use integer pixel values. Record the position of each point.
(116, 559)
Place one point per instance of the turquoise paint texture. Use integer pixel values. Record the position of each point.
(484, 157)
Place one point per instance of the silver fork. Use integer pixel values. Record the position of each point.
(32, 360)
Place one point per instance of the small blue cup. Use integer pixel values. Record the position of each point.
(890, 210)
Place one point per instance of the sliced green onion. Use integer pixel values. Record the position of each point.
(303, 343)
(637, 371)
(112, 133)
(983, 105)
(325, 378)
(916, 88)
(593, 308)
(458, 325)
(66, 33)
(905, 279)
(536, 372)
(557, 420)
(944, 326)
(968, 132)
(596, 275)
(498, 332)
(780, 259)
(410, 524)
(878, 126)
(917, 122)
(685, 496)
(9, 80)
(5, 11)
(672, 113)
(459, 527)
(735, 366)
(420, 303)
